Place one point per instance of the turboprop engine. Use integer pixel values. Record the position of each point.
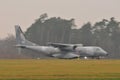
(72, 47)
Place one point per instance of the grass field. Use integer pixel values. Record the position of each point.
(57, 69)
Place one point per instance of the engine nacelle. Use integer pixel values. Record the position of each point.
(79, 45)
(71, 48)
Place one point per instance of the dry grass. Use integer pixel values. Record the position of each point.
(53, 69)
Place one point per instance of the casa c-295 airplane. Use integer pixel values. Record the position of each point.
(59, 50)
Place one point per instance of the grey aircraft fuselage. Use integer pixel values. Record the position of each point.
(60, 50)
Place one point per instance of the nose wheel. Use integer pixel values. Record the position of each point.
(85, 57)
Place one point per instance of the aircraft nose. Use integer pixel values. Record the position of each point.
(106, 53)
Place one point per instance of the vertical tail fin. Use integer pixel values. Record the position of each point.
(20, 38)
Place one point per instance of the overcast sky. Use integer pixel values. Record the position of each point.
(24, 12)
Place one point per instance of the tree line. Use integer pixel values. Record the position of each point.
(104, 33)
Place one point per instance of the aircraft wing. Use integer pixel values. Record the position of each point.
(60, 45)
(68, 47)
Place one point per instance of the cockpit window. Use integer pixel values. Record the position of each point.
(98, 49)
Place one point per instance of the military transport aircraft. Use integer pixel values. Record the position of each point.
(59, 50)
